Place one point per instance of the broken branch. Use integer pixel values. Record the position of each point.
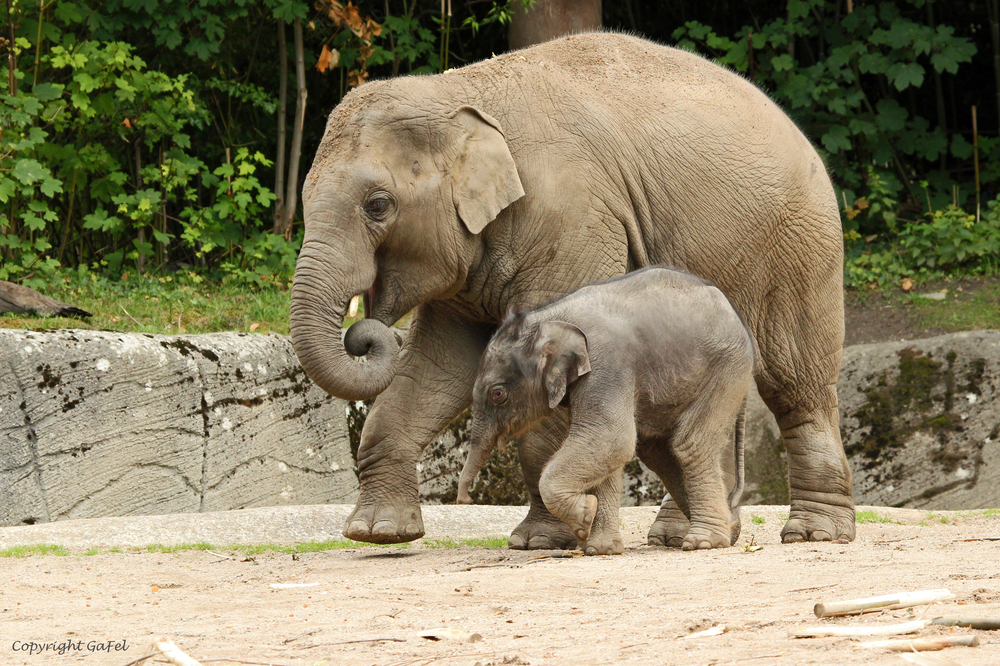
(886, 602)
(985, 623)
(886, 630)
(922, 644)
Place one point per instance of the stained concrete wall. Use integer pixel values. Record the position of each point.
(920, 421)
(104, 424)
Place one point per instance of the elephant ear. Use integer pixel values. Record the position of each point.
(484, 178)
(563, 359)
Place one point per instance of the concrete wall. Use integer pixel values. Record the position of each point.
(102, 424)
(99, 424)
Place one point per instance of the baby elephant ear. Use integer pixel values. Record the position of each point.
(484, 178)
(564, 358)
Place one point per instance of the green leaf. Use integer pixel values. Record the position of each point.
(782, 63)
(46, 92)
(891, 116)
(161, 236)
(960, 148)
(837, 138)
(51, 186)
(100, 220)
(28, 171)
(905, 75)
(7, 189)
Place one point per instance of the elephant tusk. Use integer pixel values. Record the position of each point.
(352, 310)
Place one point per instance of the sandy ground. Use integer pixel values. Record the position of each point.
(367, 605)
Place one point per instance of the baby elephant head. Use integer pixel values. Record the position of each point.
(525, 373)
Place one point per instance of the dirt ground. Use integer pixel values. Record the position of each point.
(888, 317)
(367, 605)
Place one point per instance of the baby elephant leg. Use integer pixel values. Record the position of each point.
(605, 533)
(586, 462)
(672, 522)
(706, 492)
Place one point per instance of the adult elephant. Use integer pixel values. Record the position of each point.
(508, 182)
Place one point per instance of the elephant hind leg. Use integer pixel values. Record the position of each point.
(800, 336)
(673, 521)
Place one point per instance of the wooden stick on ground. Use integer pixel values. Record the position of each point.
(884, 630)
(986, 623)
(886, 602)
(922, 644)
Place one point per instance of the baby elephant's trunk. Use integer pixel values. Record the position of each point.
(480, 447)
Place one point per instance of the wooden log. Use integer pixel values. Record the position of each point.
(985, 623)
(883, 630)
(922, 644)
(886, 602)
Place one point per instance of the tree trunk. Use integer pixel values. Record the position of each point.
(551, 18)
(291, 188)
(278, 226)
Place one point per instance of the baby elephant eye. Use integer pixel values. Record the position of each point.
(498, 395)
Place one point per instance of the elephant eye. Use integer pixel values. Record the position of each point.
(378, 206)
(498, 395)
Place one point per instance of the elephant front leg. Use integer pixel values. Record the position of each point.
(433, 384)
(605, 532)
(540, 530)
(591, 458)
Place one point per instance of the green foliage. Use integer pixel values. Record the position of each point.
(853, 94)
(952, 239)
(500, 12)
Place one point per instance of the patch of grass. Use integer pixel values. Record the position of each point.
(959, 311)
(985, 513)
(174, 304)
(488, 542)
(939, 518)
(311, 547)
(758, 520)
(157, 548)
(872, 517)
(40, 549)
(169, 305)
(247, 550)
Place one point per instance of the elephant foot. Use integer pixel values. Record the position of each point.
(669, 528)
(384, 523)
(736, 527)
(604, 544)
(812, 521)
(540, 530)
(581, 516)
(698, 539)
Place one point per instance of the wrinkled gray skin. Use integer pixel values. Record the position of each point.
(503, 184)
(656, 363)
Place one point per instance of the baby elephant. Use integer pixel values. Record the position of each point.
(655, 363)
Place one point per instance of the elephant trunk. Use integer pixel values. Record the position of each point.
(319, 303)
(481, 445)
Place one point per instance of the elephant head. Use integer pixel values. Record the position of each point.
(394, 202)
(525, 374)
